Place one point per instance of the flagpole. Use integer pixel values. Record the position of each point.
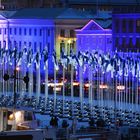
(63, 89)
(38, 83)
(46, 84)
(81, 89)
(90, 94)
(72, 96)
(89, 87)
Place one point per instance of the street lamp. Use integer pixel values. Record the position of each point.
(7, 77)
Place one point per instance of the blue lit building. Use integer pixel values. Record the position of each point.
(126, 29)
(95, 36)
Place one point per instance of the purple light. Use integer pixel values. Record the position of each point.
(95, 34)
(91, 21)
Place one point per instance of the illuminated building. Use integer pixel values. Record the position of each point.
(93, 37)
(126, 30)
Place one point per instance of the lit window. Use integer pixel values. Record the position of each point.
(62, 33)
(62, 46)
(138, 26)
(72, 33)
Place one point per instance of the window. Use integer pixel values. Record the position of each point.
(130, 42)
(72, 33)
(109, 40)
(137, 42)
(30, 31)
(138, 26)
(10, 44)
(62, 46)
(4, 30)
(20, 31)
(15, 31)
(35, 32)
(40, 32)
(0, 30)
(130, 26)
(117, 25)
(24, 31)
(48, 32)
(123, 25)
(117, 42)
(72, 45)
(4, 43)
(62, 33)
(124, 42)
(30, 44)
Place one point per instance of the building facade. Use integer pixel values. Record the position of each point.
(65, 36)
(93, 37)
(34, 34)
(126, 31)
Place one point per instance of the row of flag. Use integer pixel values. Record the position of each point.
(115, 63)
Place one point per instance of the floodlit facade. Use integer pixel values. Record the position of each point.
(93, 37)
(126, 31)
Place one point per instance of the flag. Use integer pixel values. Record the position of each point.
(64, 59)
(45, 57)
(55, 60)
(37, 60)
(80, 58)
(29, 57)
(19, 58)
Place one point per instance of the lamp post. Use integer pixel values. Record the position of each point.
(7, 77)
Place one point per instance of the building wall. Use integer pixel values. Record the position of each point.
(30, 33)
(93, 37)
(126, 32)
(65, 36)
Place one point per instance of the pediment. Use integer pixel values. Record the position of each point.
(2, 17)
(92, 25)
